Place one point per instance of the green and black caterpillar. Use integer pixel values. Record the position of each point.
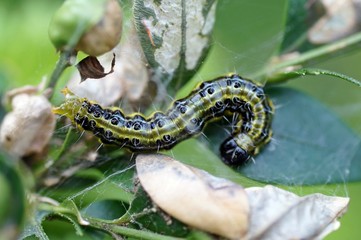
(184, 119)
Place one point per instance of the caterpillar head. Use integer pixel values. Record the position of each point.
(71, 105)
(232, 154)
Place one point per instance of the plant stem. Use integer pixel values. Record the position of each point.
(54, 209)
(318, 54)
(66, 54)
(130, 232)
(283, 77)
(63, 62)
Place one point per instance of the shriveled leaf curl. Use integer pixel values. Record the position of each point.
(195, 197)
(279, 214)
(221, 207)
(90, 67)
(27, 129)
(126, 79)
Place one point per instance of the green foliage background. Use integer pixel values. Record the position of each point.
(245, 36)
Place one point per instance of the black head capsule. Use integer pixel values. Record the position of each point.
(232, 154)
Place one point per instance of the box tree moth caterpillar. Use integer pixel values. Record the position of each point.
(185, 118)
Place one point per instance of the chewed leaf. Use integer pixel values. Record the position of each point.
(175, 36)
(278, 214)
(90, 67)
(193, 196)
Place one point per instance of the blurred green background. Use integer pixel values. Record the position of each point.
(245, 36)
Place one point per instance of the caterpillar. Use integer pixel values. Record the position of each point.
(184, 119)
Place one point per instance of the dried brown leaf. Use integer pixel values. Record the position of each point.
(129, 80)
(27, 129)
(194, 196)
(219, 206)
(279, 214)
(90, 67)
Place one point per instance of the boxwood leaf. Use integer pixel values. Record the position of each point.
(12, 191)
(310, 145)
(295, 25)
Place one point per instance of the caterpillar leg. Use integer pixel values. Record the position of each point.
(232, 153)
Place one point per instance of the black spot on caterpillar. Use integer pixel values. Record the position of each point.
(184, 119)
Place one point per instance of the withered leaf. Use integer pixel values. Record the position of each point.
(194, 196)
(90, 67)
(27, 129)
(224, 208)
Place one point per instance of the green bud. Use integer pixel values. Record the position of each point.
(76, 19)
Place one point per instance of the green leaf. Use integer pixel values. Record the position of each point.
(146, 216)
(115, 186)
(12, 191)
(310, 145)
(34, 228)
(74, 222)
(204, 154)
(106, 209)
(175, 37)
(71, 137)
(72, 19)
(295, 25)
